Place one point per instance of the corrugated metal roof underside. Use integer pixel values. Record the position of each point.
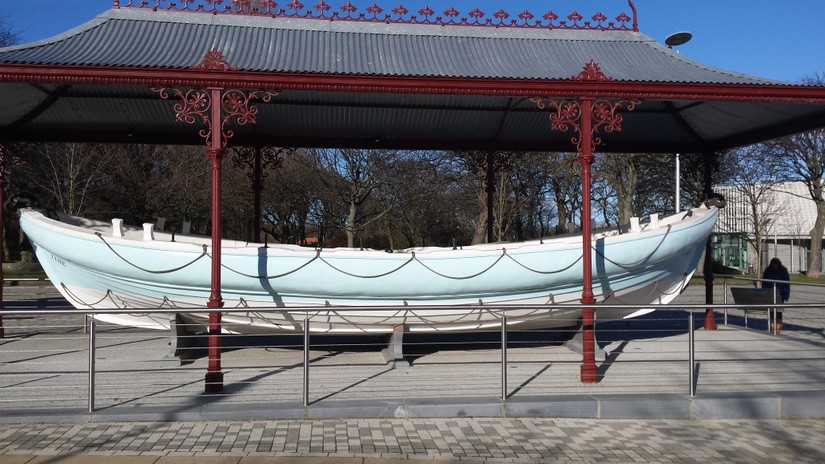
(390, 119)
(166, 40)
(381, 120)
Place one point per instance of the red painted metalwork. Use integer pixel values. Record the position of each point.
(707, 181)
(565, 88)
(214, 61)
(3, 160)
(586, 117)
(592, 72)
(217, 109)
(710, 319)
(602, 113)
(197, 105)
(589, 373)
(214, 375)
(374, 13)
(259, 158)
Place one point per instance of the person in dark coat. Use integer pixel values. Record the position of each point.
(776, 271)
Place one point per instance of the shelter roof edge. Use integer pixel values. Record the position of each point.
(348, 12)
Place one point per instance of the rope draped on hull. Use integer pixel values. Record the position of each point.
(641, 268)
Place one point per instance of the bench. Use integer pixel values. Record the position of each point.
(753, 296)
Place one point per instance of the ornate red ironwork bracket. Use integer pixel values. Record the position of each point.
(587, 116)
(199, 105)
(602, 113)
(218, 110)
(604, 116)
(196, 106)
(258, 159)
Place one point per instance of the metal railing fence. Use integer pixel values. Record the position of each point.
(46, 361)
(807, 297)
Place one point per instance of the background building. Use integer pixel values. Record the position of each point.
(786, 214)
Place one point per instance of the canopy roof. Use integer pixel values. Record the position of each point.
(383, 80)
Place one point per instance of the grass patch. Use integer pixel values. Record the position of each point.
(700, 280)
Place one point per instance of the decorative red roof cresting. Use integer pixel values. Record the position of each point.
(399, 14)
(214, 61)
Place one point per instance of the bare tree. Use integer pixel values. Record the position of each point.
(354, 176)
(7, 35)
(693, 176)
(565, 186)
(802, 158)
(620, 173)
(753, 184)
(68, 176)
(429, 202)
(289, 197)
(531, 186)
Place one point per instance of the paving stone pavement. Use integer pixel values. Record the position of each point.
(387, 441)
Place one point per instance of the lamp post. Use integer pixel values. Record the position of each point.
(678, 186)
(674, 40)
(775, 244)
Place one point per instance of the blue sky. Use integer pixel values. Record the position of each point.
(767, 38)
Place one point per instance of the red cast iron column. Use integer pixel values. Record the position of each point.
(214, 375)
(257, 186)
(2, 233)
(589, 374)
(707, 174)
(490, 189)
(586, 116)
(216, 108)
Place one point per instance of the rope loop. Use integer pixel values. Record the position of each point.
(274, 276)
(637, 263)
(165, 271)
(503, 254)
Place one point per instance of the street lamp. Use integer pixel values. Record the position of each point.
(678, 186)
(674, 40)
(678, 38)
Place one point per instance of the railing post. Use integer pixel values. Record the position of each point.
(691, 356)
(92, 364)
(725, 298)
(772, 312)
(503, 355)
(306, 359)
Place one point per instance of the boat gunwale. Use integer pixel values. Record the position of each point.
(196, 244)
